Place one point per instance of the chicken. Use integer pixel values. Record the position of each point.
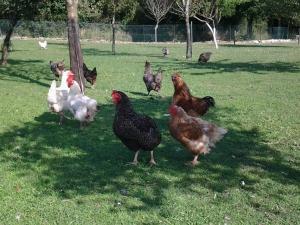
(137, 132)
(43, 44)
(58, 97)
(182, 97)
(204, 57)
(82, 107)
(195, 134)
(66, 79)
(152, 81)
(90, 75)
(57, 68)
(165, 51)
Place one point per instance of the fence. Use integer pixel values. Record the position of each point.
(145, 33)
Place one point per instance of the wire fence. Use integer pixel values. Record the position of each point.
(145, 33)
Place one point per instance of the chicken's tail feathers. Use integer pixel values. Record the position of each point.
(217, 135)
(210, 101)
(52, 92)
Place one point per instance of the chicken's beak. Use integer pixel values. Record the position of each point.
(173, 78)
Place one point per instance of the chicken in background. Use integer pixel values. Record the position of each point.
(82, 107)
(58, 96)
(43, 44)
(192, 105)
(165, 51)
(90, 75)
(137, 132)
(152, 81)
(195, 134)
(57, 68)
(204, 57)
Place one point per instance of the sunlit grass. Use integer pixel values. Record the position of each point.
(51, 174)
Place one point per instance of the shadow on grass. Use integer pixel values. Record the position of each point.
(224, 66)
(265, 45)
(31, 71)
(71, 162)
(97, 52)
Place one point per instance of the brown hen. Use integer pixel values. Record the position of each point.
(197, 135)
(192, 105)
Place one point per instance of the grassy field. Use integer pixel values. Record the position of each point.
(51, 174)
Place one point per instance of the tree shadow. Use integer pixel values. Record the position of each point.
(97, 52)
(226, 66)
(264, 45)
(31, 71)
(71, 162)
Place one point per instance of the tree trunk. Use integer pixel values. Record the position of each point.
(6, 42)
(250, 28)
(113, 47)
(188, 38)
(155, 32)
(213, 30)
(75, 53)
(279, 33)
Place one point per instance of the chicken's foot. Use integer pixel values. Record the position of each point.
(152, 161)
(194, 162)
(135, 160)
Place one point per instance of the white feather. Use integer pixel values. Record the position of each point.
(82, 107)
(43, 44)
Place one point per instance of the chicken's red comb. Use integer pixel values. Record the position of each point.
(71, 78)
(70, 73)
(114, 91)
(173, 109)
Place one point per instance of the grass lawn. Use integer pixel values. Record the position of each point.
(51, 174)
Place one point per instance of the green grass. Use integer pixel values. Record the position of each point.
(51, 174)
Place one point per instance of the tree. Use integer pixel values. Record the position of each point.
(157, 10)
(113, 26)
(206, 11)
(284, 9)
(119, 10)
(183, 8)
(14, 10)
(76, 59)
(210, 12)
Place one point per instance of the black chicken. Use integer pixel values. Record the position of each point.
(152, 81)
(204, 57)
(90, 75)
(136, 131)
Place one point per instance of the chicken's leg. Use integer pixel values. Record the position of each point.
(135, 161)
(152, 161)
(195, 160)
(61, 117)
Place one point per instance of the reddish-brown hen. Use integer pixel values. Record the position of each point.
(182, 97)
(195, 134)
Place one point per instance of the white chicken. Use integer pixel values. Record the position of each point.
(64, 80)
(43, 44)
(82, 107)
(58, 96)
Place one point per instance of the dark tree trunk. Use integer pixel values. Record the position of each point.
(113, 36)
(76, 59)
(6, 42)
(188, 38)
(250, 28)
